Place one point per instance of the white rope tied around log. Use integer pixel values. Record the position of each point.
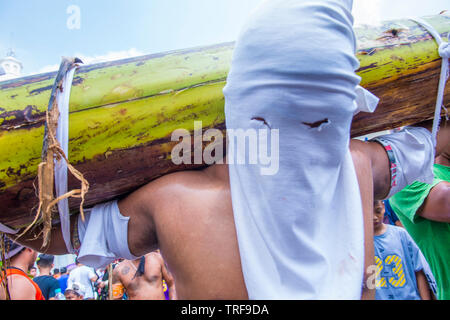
(53, 169)
(60, 165)
(444, 53)
(62, 135)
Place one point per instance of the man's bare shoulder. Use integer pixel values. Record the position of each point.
(154, 262)
(183, 182)
(121, 271)
(119, 266)
(154, 258)
(20, 288)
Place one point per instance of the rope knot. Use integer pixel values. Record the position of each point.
(444, 50)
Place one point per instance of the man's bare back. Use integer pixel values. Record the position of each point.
(145, 284)
(192, 217)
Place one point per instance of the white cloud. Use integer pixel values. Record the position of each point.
(367, 12)
(49, 68)
(110, 56)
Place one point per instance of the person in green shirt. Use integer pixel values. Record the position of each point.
(424, 210)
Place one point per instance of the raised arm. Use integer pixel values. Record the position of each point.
(364, 169)
(117, 287)
(56, 245)
(422, 285)
(380, 164)
(137, 206)
(442, 139)
(167, 276)
(437, 205)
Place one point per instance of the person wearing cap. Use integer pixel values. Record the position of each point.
(20, 259)
(45, 281)
(75, 291)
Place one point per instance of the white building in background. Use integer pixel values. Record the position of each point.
(64, 260)
(10, 67)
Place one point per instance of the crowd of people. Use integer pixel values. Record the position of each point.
(402, 272)
(144, 279)
(412, 237)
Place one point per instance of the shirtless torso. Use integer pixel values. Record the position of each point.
(143, 280)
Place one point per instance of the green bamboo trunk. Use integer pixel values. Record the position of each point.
(122, 113)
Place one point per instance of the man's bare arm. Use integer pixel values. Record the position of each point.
(398, 223)
(363, 169)
(422, 285)
(372, 163)
(56, 246)
(379, 163)
(437, 205)
(167, 276)
(141, 231)
(116, 284)
(443, 135)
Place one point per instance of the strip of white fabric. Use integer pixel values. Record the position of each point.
(62, 135)
(103, 236)
(444, 53)
(365, 100)
(411, 156)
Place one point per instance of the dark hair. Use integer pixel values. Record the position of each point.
(376, 202)
(45, 260)
(72, 291)
(63, 270)
(55, 271)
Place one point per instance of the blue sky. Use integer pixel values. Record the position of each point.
(111, 29)
(38, 32)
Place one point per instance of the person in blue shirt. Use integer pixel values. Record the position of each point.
(63, 279)
(45, 281)
(390, 216)
(401, 272)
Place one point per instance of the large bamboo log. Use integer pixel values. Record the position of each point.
(122, 113)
